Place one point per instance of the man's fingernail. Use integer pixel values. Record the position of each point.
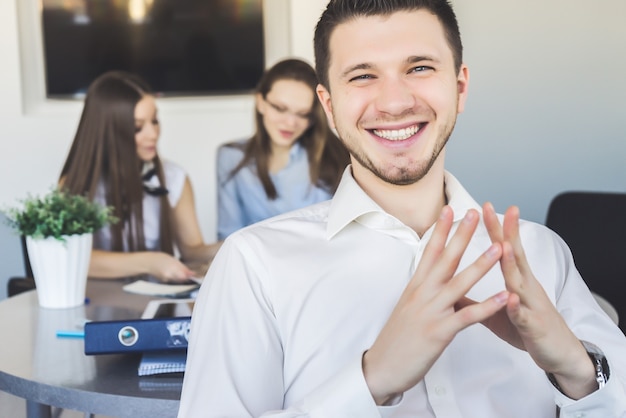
(492, 251)
(469, 216)
(502, 297)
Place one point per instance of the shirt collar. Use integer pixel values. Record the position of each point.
(296, 150)
(458, 198)
(351, 204)
(296, 153)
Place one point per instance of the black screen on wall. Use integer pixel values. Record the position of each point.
(180, 47)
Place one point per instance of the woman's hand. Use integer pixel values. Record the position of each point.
(167, 268)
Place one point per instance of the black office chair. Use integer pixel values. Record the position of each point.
(17, 285)
(593, 224)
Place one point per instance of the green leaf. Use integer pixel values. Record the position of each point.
(58, 213)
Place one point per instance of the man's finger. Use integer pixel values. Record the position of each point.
(492, 223)
(474, 312)
(463, 281)
(448, 262)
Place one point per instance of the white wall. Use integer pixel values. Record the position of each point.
(546, 109)
(35, 133)
(547, 102)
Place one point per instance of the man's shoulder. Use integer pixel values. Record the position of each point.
(535, 229)
(309, 221)
(542, 243)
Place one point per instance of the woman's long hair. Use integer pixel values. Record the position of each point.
(104, 152)
(326, 154)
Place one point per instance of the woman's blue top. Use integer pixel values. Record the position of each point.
(241, 198)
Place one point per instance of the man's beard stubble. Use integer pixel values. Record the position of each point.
(402, 176)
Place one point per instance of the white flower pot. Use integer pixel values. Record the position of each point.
(60, 269)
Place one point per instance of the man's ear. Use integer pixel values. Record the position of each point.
(462, 83)
(324, 97)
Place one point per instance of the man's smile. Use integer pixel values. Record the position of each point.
(398, 134)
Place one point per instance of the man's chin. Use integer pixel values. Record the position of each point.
(401, 176)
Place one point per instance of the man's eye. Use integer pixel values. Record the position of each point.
(420, 68)
(138, 128)
(362, 77)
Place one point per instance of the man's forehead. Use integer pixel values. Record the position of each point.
(364, 38)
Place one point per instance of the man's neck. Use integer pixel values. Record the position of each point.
(417, 205)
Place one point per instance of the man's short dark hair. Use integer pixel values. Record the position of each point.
(340, 11)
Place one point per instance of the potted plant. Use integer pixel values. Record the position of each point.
(59, 229)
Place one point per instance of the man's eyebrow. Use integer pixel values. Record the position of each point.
(420, 58)
(357, 67)
(367, 66)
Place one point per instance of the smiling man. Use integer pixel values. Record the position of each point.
(401, 297)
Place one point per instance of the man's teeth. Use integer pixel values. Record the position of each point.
(397, 134)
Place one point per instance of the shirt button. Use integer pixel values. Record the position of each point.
(440, 390)
(580, 415)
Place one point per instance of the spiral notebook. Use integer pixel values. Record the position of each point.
(168, 361)
(162, 362)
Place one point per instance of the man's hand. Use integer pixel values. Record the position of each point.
(530, 321)
(427, 316)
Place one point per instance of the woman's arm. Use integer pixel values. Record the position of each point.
(187, 230)
(230, 216)
(114, 265)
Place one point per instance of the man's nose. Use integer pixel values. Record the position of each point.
(395, 96)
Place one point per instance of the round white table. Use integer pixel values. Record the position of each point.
(48, 371)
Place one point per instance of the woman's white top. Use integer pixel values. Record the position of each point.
(174, 182)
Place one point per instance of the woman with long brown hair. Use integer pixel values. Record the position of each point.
(114, 160)
(292, 160)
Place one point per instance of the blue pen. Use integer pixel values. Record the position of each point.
(70, 334)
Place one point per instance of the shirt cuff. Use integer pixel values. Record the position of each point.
(608, 401)
(345, 394)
